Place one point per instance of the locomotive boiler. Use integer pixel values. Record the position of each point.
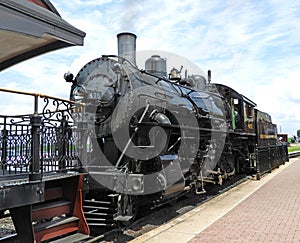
(148, 136)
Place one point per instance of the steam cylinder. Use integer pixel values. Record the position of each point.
(156, 65)
(127, 46)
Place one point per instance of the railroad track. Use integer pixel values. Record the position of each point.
(294, 154)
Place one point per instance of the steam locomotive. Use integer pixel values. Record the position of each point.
(148, 136)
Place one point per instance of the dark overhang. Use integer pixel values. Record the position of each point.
(234, 94)
(32, 27)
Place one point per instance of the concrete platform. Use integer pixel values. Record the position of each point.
(255, 211)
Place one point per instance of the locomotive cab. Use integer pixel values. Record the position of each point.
(240, 116)
(240, 111)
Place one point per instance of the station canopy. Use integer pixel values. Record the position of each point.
(32, 27)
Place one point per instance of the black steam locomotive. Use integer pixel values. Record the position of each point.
(148, 136)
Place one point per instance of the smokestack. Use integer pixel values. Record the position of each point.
(127, 46)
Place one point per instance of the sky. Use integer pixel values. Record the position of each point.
(251, 46)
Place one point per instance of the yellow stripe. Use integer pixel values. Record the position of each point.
(266, 136)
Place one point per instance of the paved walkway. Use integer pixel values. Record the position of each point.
(255, 211)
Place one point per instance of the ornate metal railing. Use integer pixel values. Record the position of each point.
(41, 142)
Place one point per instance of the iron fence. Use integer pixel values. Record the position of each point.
(41, 142)
(270, 157)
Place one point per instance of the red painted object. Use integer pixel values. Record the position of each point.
(39, 2)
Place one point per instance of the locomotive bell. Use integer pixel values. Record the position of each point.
(175, 74)
(127, 46)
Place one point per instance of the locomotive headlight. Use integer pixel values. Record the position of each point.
(136, 183)
(78, 93)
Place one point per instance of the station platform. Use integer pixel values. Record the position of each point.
(267, 210)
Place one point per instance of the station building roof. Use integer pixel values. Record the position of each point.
(32, 27)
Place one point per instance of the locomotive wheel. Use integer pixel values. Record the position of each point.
(129, 207)
(240, 164)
